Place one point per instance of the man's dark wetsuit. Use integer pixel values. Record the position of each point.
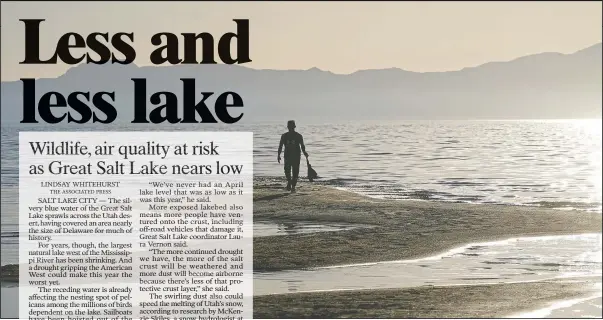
(294, 143)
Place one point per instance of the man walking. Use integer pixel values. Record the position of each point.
(294, 146)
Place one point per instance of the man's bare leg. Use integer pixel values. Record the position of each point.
(288, 174)
(295, 169)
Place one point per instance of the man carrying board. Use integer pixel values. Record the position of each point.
(294, 146)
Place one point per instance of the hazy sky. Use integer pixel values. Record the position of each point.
(339, 37)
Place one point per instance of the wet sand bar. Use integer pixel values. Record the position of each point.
(400, 229)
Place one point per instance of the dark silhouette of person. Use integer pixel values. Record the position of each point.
(294, 146)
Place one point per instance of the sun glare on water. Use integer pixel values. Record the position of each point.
(591, 130)
(588, 132)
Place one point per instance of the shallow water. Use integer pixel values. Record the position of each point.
(584, 307)
(514, 260)
(267, 229)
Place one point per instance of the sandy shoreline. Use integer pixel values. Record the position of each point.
(401, 229)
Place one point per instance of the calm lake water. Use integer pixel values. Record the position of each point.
(551, 163)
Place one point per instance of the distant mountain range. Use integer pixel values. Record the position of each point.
(546, 85)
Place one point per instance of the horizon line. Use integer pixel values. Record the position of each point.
(133, 64)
